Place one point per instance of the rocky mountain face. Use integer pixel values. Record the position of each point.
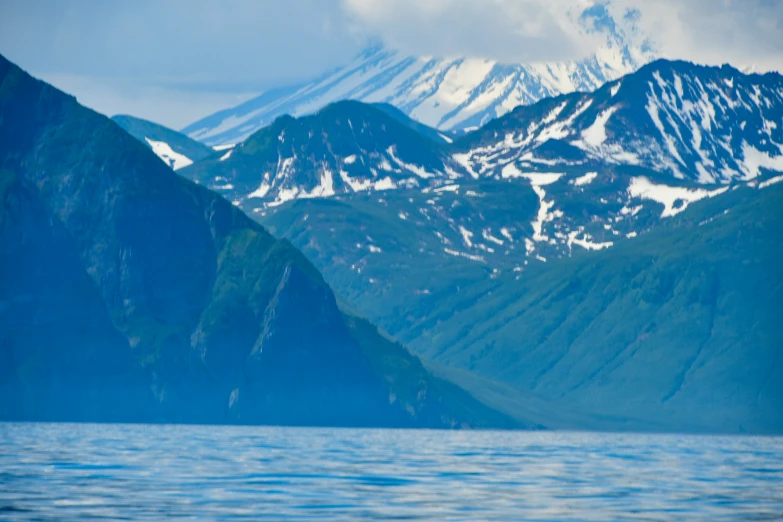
(50, 302)
(448, 94)
(486, 230)
(131, 294)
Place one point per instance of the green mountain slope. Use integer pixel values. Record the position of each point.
(47, 302)
(136, 271)
(679, 327)
(674, 330)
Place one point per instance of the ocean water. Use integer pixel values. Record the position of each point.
(80, 472)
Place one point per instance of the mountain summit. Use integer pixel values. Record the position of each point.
(445, 93)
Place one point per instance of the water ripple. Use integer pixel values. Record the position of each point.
(77, 472)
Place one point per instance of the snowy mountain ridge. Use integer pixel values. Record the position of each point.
(445, 93)
(577, 171)
(707, 124)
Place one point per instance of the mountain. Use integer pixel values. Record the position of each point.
(449, 94)
(531, 186)
(175, 149)
(517, 206)
(673, 329)
(346, 147)
(676, 330)
(48, 301)
(708, 124)
(131, 294)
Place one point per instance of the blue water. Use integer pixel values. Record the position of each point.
(78, 472)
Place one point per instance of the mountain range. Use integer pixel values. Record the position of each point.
(534, 253)
(585, 170)
(129, 294)
(448, 94)
(595, 260)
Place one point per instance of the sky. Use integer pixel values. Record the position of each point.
(175, 61)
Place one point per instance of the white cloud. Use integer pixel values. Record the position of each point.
(740, 32)
(176, 60)
(505, 30)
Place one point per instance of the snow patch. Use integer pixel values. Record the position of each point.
(450, 252)
(487, 234)
(325, 187)
(755, 160)
(589, 245)
(173, 159)
(261, 191)
(385, 184)
(419, 171)
(536, 179)
(770, 182)
(595, 135)
(668, 196)
(356, 185)
(466, 235)
(447, 188)
(585, 180)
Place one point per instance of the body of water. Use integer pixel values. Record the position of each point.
(78, 472)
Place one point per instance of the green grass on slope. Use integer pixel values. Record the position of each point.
(681, 325)
(430, 399)
(388, 254)
(672, 330)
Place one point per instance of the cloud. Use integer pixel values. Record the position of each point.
(174, 61)
(505, 30)
(741, 32)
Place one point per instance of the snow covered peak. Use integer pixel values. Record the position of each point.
(347, 147)
(708, 124)
(445, 93)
